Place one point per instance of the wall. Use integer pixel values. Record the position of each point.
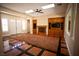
(76, 38)
(69, 36)
(14, 20)
(1, 41)
(31, 26)
(28, 25)
(12, 12)
(43, 20)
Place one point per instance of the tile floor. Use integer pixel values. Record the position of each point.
(63, 48)
(35, 51)
(32, 50)
(26, 50)
(47, 53)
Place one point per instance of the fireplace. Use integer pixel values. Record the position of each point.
(41, 30)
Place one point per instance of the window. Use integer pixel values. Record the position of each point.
(23, 25)
(4, 25)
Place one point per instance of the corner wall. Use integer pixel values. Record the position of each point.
(76, 38)
(1, 40)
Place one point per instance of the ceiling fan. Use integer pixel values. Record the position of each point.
(39, 11)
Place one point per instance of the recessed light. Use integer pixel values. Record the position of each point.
(29, 11)
(48, 6)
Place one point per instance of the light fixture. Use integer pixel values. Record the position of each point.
(48, 6)
(29, 11)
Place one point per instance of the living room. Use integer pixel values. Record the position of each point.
(32, 29)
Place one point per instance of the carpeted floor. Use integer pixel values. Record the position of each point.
(36, 45)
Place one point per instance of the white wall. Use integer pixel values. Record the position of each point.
(18, 26)
(13, 13)
(69, 36)
(12, 26)
(43, 21)
(76, 38)
(1, 40)
(28, 25)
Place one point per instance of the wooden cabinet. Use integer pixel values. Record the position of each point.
(56, 27)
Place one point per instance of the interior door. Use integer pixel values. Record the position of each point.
(34, 26)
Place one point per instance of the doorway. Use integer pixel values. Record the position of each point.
(34, 26)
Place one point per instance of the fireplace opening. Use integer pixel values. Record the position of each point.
(42, 30)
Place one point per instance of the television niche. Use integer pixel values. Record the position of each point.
(56, 25)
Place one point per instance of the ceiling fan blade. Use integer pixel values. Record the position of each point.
(41, 12)
(36, 9)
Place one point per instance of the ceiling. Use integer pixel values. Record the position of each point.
(22, 7)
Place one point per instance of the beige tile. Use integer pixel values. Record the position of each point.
(13, 41)
(24, 54)
(63, 45)
(13, 52)
(34, 51)
(25, 46)
(64, 51)
(47, 53)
